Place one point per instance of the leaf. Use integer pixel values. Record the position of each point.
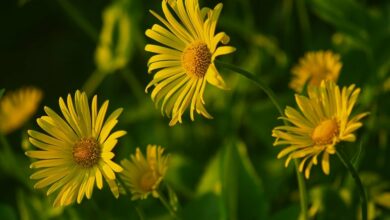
(231, 176)
(206, 206)
(348, 16)
(291, 212)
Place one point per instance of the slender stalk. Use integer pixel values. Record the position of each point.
(93, 82)
(140, 213)
(304, 19)
(271, 95)
(6, 146)
(137, 208)
(77, 17)
(167, 205)
(133, 83)
(302, 192)
(9, 157)
(358, 182)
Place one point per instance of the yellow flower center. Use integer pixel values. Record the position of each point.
(86, 152)
(148, 180)
(196, 59)
(325, 131)
(319, 75)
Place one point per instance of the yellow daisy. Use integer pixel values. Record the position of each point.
(17, 107)
(76, 152)
(184, 63)
(143, 175)
(322, 122)
(315, 67)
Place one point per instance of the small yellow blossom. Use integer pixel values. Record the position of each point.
(323, 120)
(315, 67)
(17, 107)
(143, 175)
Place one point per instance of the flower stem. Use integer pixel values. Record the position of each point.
(8, 159)
(133, 84)
(78, 18)
(358, 182)
(302, 192)
(93, 82)
(271, 95)
(128, 193)
(167, 205)
(4, 142)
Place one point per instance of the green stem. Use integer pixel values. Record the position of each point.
(271, 95)
(302, 191)
(358, 182)
(77, 17)
(9, 159)
(93, 82)
(167, 205)
(137, 209)
(140, 213)
(304, 19)
(133, 84)
(4, 142)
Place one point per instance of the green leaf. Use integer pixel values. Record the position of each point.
(348, 16)
(231, 176)
(291, 212)
(252, 203)
(203, 207)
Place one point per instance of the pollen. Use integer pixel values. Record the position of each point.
(86, 152)
(325, 132)
(196, 59)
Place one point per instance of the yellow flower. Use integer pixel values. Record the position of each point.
(76, 152)
(322, 122)
(315, 67)
(17, 107)
(143, 175)
(185, 61)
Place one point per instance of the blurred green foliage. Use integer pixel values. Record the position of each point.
(225, 168)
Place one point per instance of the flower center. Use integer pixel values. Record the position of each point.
(86, 152)
(319, 75)
(325, 131)
(148, 180)
(196, 59)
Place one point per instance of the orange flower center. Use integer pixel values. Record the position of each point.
(86, 152)
(148, 180)
(196, 59)
(325, 132)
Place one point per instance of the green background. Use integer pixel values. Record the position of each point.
(225, 168)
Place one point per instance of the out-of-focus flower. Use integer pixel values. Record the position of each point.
(76, 152)
(17, 107)
(185, 60)
(322, 122)
(114, 48)
(315, 67)
(143, 175)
